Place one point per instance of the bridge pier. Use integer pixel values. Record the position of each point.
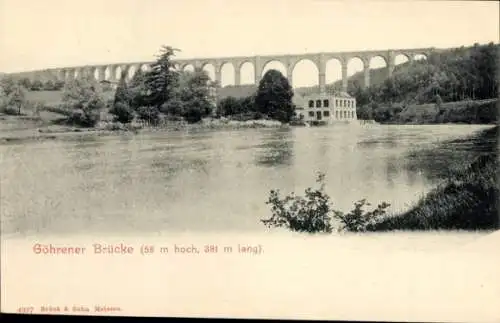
(322, 82)
(366, 72)
(237, 76)
(390, 64)
(257, 70)
(344, 76)
(218, 75)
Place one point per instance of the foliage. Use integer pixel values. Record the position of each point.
(195, 96)
(25, 82)
(137, 90)
(466, 200)
(149, 114)
(83, 97)
(357, 220)
(36, 85)
(236, 106)
(274, 97)
(120, 107)
(123, 112)
(310, 214)
(314, 214)
(121, 94)
(48, 85)
(13, 96)
(455, 75)
(162, 79)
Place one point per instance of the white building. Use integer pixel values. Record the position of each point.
(327, 108)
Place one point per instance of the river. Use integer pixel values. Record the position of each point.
(207, 180)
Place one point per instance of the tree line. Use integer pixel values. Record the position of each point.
(273, 99)
(163, 92)
(465, 73)
(39, 85)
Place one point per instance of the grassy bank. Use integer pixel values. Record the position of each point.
(465, 112)
(22, 129)
(466, 200)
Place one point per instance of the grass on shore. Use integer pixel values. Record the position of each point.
(467, 200)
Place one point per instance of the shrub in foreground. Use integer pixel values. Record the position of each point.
(313, 213)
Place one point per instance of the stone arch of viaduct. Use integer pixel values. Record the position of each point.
(111, 72)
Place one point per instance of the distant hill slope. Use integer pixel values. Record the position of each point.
(449, 76)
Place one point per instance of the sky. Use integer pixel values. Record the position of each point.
(38, 34)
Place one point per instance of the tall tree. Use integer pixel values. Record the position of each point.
(18, 97)
(83, 100)
(137, 90)
(121, 106)
(121, 94)
(195, 95)
(162, 79)
(12, 95)
(274, 96)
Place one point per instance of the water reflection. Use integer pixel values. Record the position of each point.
(277, 149)
(212, 180)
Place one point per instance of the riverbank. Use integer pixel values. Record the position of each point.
(462, 112)
(28, 128)
(466, 200)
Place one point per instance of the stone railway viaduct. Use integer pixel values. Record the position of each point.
(112, 72)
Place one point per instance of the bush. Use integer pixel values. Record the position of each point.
(61, 109)
(84, 118)
(313, 213)
(37, 85)
(193, 114)
(123, 112)
(245, 116)
(357, 220)
(84, 98)
(9, 110)
(149, 114)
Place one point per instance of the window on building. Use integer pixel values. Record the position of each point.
(326, 113)
(345, 114)
(336, 114)
(311, 104)
(326, 103)
(348, 104)
(311, 113)
(336, 103)
(318, 103)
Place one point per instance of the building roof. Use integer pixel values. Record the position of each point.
(337, 94)
(298, 100)
(342, 94)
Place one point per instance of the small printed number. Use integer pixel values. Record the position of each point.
(28, 309)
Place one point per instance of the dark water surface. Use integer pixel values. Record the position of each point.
(210, 180)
